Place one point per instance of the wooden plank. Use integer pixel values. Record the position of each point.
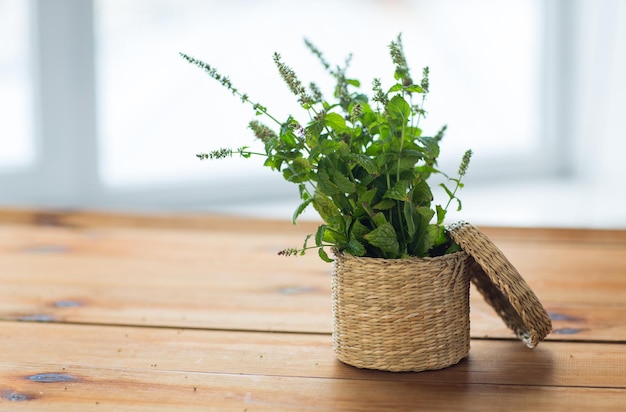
(92, 268)
(61, 367)
(60, 347)
(546, 235)
(585, 272)
(580, 280)
(166, 278)
(122, 390)
(573, 322)
(297, 308)
(234, 280)
(177, 221)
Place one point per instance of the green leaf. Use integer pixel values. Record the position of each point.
(422, 241)
(365, 162)
(425, 171)
(384, 238)
(319, 235)
(395, 88)
(271, 145)
(441, 214)
(315, 127)
(398, 108)
(273, 163)
(336, 122)
(397, 192)
(414, 133)
(437, 235)
(375, 149)
(421, 195)
(342, 182)
(324, 147)
(329, 237)
(355, 248)
(301, 163)
(322, 253)
(409, 216)
(324, 183)
(459, 204)
(414, 88)
(298, 170)
(338, 223)
(448, 191)
(359, 230)
(426, 213)
(364, 179)
(324, 206)
(306, 242)
(368, 197)
(408, 158)
(385, 204)
(289, 138)
(454, 247)
(304, 194)
(431, 146)
(300, 209)
(260, 110)
(379, 219)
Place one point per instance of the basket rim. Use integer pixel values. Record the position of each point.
(336, 252)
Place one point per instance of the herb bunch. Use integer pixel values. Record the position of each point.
(362, 164)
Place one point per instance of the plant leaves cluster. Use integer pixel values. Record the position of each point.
(363, 164)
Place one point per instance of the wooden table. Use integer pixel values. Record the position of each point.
(112, 312)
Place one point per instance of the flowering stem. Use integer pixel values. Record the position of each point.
(225, 81)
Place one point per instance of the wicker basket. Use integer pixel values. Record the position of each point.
(401, 314)
(413, 314)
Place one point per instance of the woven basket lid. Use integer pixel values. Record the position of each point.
(502, 286)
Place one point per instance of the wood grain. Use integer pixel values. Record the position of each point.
(223, 279)
(58, 346)
(124, 312)
(173, 391)
(222, 370)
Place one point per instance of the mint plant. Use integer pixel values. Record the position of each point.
(362, 164)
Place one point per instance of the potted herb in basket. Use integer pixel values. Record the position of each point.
(400, 282)
(362, 163)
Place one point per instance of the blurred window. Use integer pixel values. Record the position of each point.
(17, 149)
(156, 111)
(127, 134)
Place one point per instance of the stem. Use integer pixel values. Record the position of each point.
(402, 134)
(263, 110)
(242, 152)
(456, 187)
(420, 111)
